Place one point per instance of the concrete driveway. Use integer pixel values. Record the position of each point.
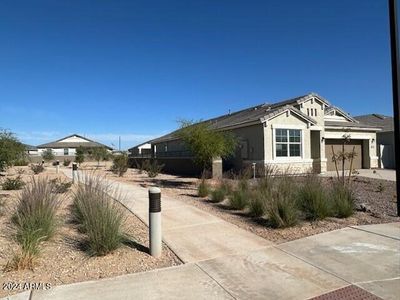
(384, 174)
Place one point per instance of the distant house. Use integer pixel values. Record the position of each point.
(141, 150)
(384, 138)
(66, 147)
(300, 133)
(31, 150)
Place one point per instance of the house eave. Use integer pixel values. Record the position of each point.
(345, 128)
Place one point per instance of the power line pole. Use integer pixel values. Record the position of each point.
(394, 47)
(119, 143)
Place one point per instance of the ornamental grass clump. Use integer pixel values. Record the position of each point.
(313, 199)
(343, 200)
(34, 220)
(203, 190)
(218, 194)
(239, 199)
(256, 203)
(98, 216)
(281, 208)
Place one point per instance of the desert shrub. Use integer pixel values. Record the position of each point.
(11, 149)
(145, 165)
(281, 208)
(120, 164)
(342, 198)
(20, 171)
(313, 200)
(59, 186)
(80, 155)
(3, 166)
(37, 168)
(21, 162)
(66, 162)
(13, 184)
(153, 168)
(98, 215)
(48, 155)
(203, 189)
(99, 153)
(218, 194)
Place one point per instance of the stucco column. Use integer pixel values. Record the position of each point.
(374, 159)
(323, 158)
(217, 168)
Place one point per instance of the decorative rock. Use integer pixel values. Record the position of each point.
(364, 208)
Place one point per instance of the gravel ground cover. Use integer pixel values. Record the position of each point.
(375, 202)
(61, 260)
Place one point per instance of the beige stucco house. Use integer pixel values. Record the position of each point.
(298, 133)
(65, 148)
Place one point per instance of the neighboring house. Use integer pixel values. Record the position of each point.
(384, 138)
(30, 150)
(66, 147)
(141, 150)
(298, 133)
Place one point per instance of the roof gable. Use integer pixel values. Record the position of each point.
(73, 141)
(291, 110)
(336, 111)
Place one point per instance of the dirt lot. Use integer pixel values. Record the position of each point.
(61, 260)
(378, 196)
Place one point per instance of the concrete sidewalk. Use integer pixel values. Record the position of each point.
(225, 262)
(193, 234)
(301, 269)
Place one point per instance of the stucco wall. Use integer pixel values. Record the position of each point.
(286, 121)
(310, 107)
(253, 136)
(58, 152)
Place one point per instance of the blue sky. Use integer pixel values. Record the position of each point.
(133, 68)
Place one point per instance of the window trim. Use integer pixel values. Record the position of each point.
(67, 151)
(287, 158)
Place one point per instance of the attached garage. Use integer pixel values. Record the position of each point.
(335, 146)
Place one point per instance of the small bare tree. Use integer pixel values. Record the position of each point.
(341, 157)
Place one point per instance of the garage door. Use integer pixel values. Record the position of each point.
(337, 147)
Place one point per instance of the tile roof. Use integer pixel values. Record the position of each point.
(386, 122)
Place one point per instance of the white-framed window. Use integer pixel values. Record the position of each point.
(66, 151)
(287, 142)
